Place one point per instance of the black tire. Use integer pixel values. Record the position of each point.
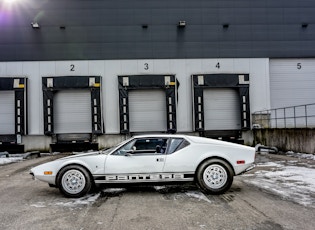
(74, 181)
(214, 176)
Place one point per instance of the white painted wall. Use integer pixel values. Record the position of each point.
(258, 69)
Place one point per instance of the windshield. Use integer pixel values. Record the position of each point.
(109, 150)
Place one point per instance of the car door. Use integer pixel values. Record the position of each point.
(140, 155)
(180, 157)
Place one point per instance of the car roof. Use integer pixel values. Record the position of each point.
(190, 138)
(160, 135)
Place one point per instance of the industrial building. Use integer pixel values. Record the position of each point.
(84, 74)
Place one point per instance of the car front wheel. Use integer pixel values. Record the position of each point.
(74, 181)
(214, 176)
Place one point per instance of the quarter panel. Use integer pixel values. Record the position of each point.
(190, 157)
(186, 159)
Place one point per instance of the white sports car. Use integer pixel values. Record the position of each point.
(212, 164)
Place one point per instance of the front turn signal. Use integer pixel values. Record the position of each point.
(48, 172)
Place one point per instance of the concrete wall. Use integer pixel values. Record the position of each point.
(297, 140)
(36, 143)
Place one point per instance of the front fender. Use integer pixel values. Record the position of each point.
(94, 164)
(48, 172)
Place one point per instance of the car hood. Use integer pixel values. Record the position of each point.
(81, 155)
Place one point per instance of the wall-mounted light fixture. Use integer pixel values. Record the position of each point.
(304, 25)
(181, 24)
(35, 25)
(225, 26)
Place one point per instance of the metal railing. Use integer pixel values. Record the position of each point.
(300, 116)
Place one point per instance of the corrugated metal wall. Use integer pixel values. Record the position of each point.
(98, 30)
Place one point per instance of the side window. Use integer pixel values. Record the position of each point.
(183, 145)
(151, 145)
(177, 144)
(144, 146)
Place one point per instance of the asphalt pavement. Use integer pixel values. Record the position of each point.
(29, 204)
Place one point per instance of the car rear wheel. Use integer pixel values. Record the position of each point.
(74, 181)
(215, 176)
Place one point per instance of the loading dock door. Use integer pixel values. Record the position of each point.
(222, 109)
(7, 112)
(147, 110)
(291, 82)
(72, 111)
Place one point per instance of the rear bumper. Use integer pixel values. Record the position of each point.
(251, 167)
(240, 169)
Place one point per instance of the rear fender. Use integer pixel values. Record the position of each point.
(205, 158)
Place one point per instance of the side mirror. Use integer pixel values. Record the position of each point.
(128, 153)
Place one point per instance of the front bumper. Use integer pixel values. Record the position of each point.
(32, 174)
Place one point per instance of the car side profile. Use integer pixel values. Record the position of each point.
(210, 163)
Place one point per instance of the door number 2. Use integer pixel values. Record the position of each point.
(72, 67)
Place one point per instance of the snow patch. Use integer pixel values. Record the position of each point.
(71, 203)
(39, 205)
(159, 188)
(198, 195)
(8, 160)
(86, 200)
(290, 182)
(114, 190)
(270, 164)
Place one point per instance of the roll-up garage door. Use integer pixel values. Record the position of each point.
(292, 82)
(72, 111)
(7, 114)
(147, 110)
(222, 109)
